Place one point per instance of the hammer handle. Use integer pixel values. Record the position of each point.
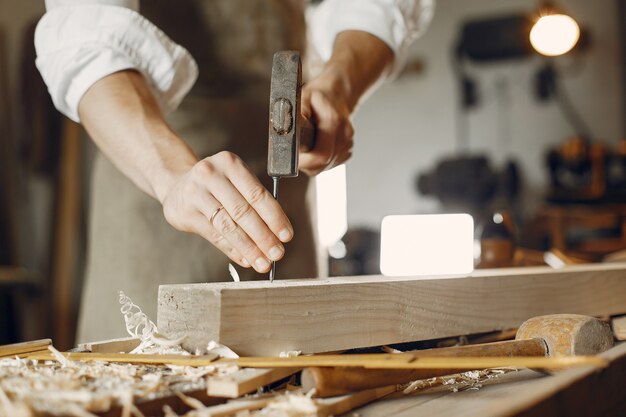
(330, 382)
(307, 134)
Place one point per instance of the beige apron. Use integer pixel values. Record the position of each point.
(131, 246)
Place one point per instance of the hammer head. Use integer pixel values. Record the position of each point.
(284, 117)
(568, 334)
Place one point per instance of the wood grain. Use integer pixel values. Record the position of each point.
(320, 315)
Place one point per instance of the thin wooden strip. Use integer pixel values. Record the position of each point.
(245, 381)
(433, 362)
(24, 347)
(373, 361)
(122, 345)
(232, 408)
(191, 360)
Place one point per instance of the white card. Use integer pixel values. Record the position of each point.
(427, 245)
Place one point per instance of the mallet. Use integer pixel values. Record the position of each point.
(551, 335)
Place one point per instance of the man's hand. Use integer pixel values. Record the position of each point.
(326, 106)
(358, 61)
(217, 198)
(222, 201)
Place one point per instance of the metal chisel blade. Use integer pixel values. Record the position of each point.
(275, 194)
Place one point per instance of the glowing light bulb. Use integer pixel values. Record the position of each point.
(554, 34)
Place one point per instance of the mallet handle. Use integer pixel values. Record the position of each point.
(330, 382)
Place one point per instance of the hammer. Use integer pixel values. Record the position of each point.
(551, 335)
(289, 131)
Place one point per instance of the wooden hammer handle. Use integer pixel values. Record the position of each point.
(307, 135)
(330, 382)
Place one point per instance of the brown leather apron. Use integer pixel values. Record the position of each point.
(131, 246)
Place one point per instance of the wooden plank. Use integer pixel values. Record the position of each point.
(325, 407)
(24, 347)
(576, 392)
(257, 318)
(619, 327)
(340, 405)
(245, 381)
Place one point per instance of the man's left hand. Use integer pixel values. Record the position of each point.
(326, 106)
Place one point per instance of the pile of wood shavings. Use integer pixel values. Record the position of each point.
(71, 388)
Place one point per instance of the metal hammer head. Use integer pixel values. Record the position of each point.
(286, 122)
(568, 334)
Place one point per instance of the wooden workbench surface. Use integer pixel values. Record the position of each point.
(576, 392)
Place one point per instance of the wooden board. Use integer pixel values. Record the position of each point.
(245, 381)
(576, 392)
(318, 315)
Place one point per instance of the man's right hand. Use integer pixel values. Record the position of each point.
(222, 201)
(124, 120)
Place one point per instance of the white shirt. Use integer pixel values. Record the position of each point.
(78, 42)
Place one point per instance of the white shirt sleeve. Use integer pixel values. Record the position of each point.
(78, 42)
(396, 22)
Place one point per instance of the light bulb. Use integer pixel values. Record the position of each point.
(554, 34)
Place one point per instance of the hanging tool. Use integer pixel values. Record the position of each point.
(289, 131)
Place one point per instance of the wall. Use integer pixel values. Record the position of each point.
(410, 123)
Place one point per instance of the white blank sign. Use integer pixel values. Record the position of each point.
(426, 245)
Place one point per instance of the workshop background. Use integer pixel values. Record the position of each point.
(506, 130)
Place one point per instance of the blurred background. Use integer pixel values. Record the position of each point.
(529, 138)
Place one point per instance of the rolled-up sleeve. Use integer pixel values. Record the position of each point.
(395, 22)
(80, 42)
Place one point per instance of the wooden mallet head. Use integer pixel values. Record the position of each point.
(568, 334)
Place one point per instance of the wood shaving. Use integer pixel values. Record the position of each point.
(470, 380)
(222, 350)
(233, 273)
(290, 354)
(139, 326)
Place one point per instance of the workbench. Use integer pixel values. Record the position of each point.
(377, 311)
(575, 392)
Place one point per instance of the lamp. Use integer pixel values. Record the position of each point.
(554, 33)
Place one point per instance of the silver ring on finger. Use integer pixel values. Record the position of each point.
(217, 210)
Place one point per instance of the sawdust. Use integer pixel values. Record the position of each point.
(72, 388)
